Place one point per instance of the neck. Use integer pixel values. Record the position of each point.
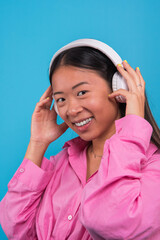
(97, 148)
(97, 145)
(95, 152)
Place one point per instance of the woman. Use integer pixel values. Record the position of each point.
(103, 184)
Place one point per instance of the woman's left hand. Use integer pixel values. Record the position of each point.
(135, 96)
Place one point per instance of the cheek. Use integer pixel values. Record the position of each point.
(105, 108)
(95, 99)
(98, 102)
(91, 102)
(63, 115)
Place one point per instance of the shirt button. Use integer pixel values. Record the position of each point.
(21, 170)
(70, 217)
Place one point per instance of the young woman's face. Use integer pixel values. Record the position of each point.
(81, 96)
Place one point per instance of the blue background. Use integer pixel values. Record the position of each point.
(32, 30)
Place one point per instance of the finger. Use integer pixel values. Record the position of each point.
(126, 94)
(41, 105)
(129, 69)
(126, 76)
(120, 92)
(136, 75)
(142, 82)
(130, 76)
(49, 102)
(47, 93)
(122, 71)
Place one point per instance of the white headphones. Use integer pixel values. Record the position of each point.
(117, 81)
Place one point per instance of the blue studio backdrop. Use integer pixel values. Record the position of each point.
(31, 31)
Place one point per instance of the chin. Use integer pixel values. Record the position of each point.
(87, 137)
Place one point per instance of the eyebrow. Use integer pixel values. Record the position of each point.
(77, 85)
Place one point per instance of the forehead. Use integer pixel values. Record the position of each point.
(70, 76)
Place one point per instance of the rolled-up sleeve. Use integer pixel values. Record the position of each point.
(18, 207)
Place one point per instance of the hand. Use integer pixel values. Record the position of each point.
(135, 96)
(44, 127)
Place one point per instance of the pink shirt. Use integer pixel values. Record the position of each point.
(120, 201)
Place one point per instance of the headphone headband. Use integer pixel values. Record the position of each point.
(104, 48)
(117, 81)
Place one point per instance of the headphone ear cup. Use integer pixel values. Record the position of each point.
(55, 108)
(118, 82)
(55, 105)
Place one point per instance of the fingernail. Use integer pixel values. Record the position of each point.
(138, 68)
(47, 98)
(119, 65)
(125, 61)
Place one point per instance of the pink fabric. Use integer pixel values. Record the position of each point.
(120, 201)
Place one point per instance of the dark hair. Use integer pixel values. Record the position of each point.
(90, 58)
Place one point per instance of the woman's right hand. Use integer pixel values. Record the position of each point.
(44, 127)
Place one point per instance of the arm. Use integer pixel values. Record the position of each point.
(19, 207)
(44, 128)
(122, 201)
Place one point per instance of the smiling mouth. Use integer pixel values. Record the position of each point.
(84, 122)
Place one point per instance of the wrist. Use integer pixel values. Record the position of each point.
(38, 144)
(36, 151)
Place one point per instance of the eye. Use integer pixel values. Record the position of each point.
(60, 100)
(81, 93)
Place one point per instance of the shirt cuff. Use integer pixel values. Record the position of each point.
(32, 176)
(134, 126)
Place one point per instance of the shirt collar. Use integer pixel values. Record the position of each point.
(76, 149)
(76, 144)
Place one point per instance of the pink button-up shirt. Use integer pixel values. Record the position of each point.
(120, 201)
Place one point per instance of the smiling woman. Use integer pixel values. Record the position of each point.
(102, 184)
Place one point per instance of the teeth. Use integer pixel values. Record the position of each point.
(83, 122)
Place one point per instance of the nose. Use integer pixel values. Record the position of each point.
(74, 108)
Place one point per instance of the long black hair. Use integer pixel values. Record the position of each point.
(90, 58)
